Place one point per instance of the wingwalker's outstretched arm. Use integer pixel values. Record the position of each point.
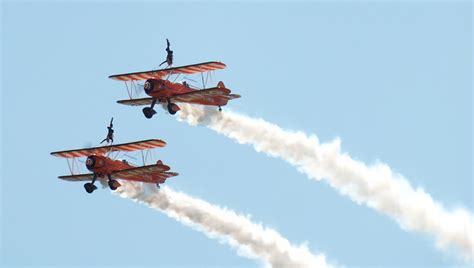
(167, 45)
(169, 55)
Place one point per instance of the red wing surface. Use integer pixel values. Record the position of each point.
(78, 177)
(126, 147)
(150, 174)
(136, 102)
(217, 96)
(157, 74)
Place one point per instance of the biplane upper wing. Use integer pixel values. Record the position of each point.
(152, 173)
(78, 177)
(217, 96)
(126, 147)
(187, 69)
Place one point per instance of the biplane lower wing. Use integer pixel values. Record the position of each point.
(152, 174)
(78, 177)
(212, 96)
(126, 147)
(216, 96)
(157, 74)
(136, 102)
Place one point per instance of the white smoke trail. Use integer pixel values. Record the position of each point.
(377, 186)
(251, 240)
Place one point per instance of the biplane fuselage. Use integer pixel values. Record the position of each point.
(103, 165)
(163, 89)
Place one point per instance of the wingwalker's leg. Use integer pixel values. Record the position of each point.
(113, 184)
(148, 111)
(90, 187)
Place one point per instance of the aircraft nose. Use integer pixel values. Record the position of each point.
(153, 85)
(149, 86)
(90, 162)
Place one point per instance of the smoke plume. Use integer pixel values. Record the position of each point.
(376, 186)
(251, 240)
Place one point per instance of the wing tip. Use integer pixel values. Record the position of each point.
(59, 154)
(161, 142)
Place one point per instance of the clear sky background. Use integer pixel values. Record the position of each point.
(392, 80)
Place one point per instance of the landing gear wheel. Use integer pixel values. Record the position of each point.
(90, 187)
(158, 185)
(220, 109)
(113, 184)
(148, 112)
(172, 108)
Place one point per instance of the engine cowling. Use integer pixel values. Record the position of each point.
(153, 85)
(90, 162)
(93, 162)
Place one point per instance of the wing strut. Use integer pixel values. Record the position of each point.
(176, 78)
(69, 166)
(202, 79)
(73, 166)
(129, 91)
(145, 156)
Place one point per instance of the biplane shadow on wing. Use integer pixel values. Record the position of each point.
(169, 92)
(103, 166)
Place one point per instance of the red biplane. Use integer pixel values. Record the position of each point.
(162, 88)
(100, 162)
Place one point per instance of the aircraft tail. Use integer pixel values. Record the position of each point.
(220, 84)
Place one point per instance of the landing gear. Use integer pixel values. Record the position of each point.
(113, 184)
(158, 185)
(220, 109)
(149, 111)
(90, 187)
(172, 108)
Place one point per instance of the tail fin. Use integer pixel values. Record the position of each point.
(220, 84)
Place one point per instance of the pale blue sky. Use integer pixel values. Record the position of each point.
(392, 80)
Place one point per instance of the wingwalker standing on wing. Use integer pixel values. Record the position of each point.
(110, 133)
(103, 164)
(169, 55)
